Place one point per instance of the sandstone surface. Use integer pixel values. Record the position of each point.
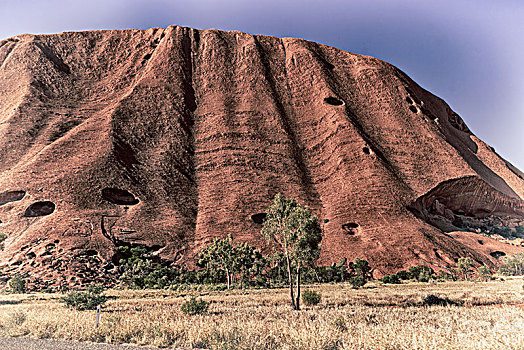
(171, 137)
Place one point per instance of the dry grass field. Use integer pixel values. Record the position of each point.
(375, 317)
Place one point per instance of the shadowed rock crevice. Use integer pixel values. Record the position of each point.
(351, 228)
(119, 196)
(258, 218)
(333, 101)
(52, 56)
(40, 209)
(11, 196)
(471, 199)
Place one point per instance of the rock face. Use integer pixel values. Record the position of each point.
(171, 137)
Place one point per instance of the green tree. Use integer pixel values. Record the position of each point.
(464, 266)
(295, 232)
(362, 269)
(513, 265)
(484, 272)
(16, 285)
(219, 255)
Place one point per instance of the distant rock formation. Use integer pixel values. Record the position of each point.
(168, 138)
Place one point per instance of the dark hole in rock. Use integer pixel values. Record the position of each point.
(458, 222)
(497, 254)
(326, 221)
(366, 150)
(11, 196)
(258, 218)
(118, 196)
(333, 101)
(351, 228)
(413, 109)
(147, 56)
(50, 246)
(409, 100)
(31, 255)
(40, 209)
(89, 252)
(45, 254)
(481, 242)
(329, 65)
(56, 241)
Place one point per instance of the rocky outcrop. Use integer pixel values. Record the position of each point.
(168, 138)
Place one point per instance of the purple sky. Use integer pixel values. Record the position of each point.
(469, 52)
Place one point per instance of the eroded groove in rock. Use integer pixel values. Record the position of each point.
(258, 218)
(11, 196)
(119, 196)
(40, 209)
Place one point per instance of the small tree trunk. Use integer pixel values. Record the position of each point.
(297, 304)
(316, 274)
(228, 279)
(290, 283)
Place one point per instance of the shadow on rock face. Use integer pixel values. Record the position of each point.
(118, 196)
(11, 196)
(40, 209)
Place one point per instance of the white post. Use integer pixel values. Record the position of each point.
(97, 316)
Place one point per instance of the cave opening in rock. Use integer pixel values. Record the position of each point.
(366, 150)
(413, 109)
(40, 209)
(258, 218)
(333, 101)
(497, 254)
(351, 228)
(409, 100)
(11, 196)
(119, 196)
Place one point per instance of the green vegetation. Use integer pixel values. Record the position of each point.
(357, 282)
(464, 267)
(222, 256)
(391, 279)
(194, 306)
(484, 273)
(16, 285)
(295, 232)
(513, 265)
(85, 300)
(310, 297)
(2, 239)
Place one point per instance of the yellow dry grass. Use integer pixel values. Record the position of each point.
(376, 317)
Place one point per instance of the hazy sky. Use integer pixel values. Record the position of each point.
(469, 52)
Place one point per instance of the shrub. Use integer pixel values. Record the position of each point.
(391, 279)
(15, 319)
(16, 285)
(340, 324)
(194, 306)
(85, 300)
(310, 297)
(421, 273)
(404, 275)
(431, 299)
(513, 265)
(484, 272)
(357, 282)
